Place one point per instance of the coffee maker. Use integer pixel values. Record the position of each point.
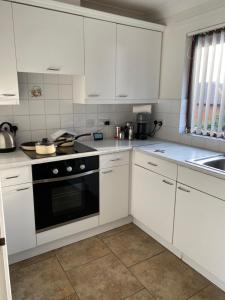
(143, 120)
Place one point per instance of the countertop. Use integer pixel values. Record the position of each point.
(181, 155)
(19, 158)
(174, 152)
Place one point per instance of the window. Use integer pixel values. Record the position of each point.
(207, 85)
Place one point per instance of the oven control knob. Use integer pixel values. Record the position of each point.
(55, 171)
(69, 169)
(82, 167)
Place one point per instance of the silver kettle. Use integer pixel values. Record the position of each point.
(7, 137)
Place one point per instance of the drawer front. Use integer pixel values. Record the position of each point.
(16, 176)
(157, 165)
(115, 159)
(202, 182)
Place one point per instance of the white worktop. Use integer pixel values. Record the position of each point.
(174, 152)
(182, 155)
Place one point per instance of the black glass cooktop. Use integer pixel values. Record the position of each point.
(77, 148)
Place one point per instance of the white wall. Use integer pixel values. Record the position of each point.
(174, 55)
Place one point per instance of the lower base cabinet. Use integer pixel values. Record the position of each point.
(114, 193)
(19, 218)
(199, 229)
(153, 200)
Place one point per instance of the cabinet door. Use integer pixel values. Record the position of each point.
(138, 63)
(114, 187)
(100, 59)
(19, 218)
(153, 201)
(199, 229)
(48, 41)
(8, 73)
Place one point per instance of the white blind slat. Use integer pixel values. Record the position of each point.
(210, 84)
(195, 92)
(204, 64)
(217, 84)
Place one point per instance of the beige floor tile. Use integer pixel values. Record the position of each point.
(133, 246)
(103, 279)
(81, 253)
(142, 295)
(115, 231)
(41, 281)
(168, 278)
(210, 293)
(72, 297)
(32, 260)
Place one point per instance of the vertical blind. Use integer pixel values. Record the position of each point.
(208, 85)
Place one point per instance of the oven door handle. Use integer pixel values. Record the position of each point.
(65, 177)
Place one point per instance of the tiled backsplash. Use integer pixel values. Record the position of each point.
(38, 117)
(173, 114)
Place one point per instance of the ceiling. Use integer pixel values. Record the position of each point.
(153, 10)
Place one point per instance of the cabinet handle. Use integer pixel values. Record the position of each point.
(122, 96)
(24, 189)
(93, 95)
(167, 182)
(8, 95)
(107, 172)
(116, 159)
(152, 164)
(184, 190)
(12, 177)
(56, 69)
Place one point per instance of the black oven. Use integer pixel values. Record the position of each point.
(65, 191)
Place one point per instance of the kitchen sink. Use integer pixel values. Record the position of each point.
(215, 162)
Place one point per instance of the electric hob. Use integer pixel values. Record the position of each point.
(76, 148)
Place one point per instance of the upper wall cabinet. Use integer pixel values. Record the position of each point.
(48, 41)
(100, 57)
(138, 64)
(8, 73)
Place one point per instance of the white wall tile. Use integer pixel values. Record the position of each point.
(23, 91)
(6, 118)
(23, 136)
(51, 79)
(37, 122)
(66, 107)
(79, 108)
(52, 107)
(79, 120)
(52, 121)
(35, 78)
(37, 107)
(23, 122)
(67, 121)
(91, 108)
(21, 109)
(65, 92)
(65, 79)
(6, 110)
(22, 77)
(38, 135)
(51, 91)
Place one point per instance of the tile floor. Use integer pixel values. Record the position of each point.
(124, 263)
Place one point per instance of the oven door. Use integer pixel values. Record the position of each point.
(61, 200)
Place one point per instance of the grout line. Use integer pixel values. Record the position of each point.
(134, 294)
(68, 278)
(199, 291)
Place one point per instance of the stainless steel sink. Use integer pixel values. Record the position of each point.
(215, 162)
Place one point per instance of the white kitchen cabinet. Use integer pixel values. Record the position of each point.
(19, 217)
(199, 229)
(100, 58)
(48, 41)
(9, 93)
(114, 193)
(138, 64)
(153, 200)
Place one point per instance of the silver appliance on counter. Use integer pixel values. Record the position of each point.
(7, 137)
